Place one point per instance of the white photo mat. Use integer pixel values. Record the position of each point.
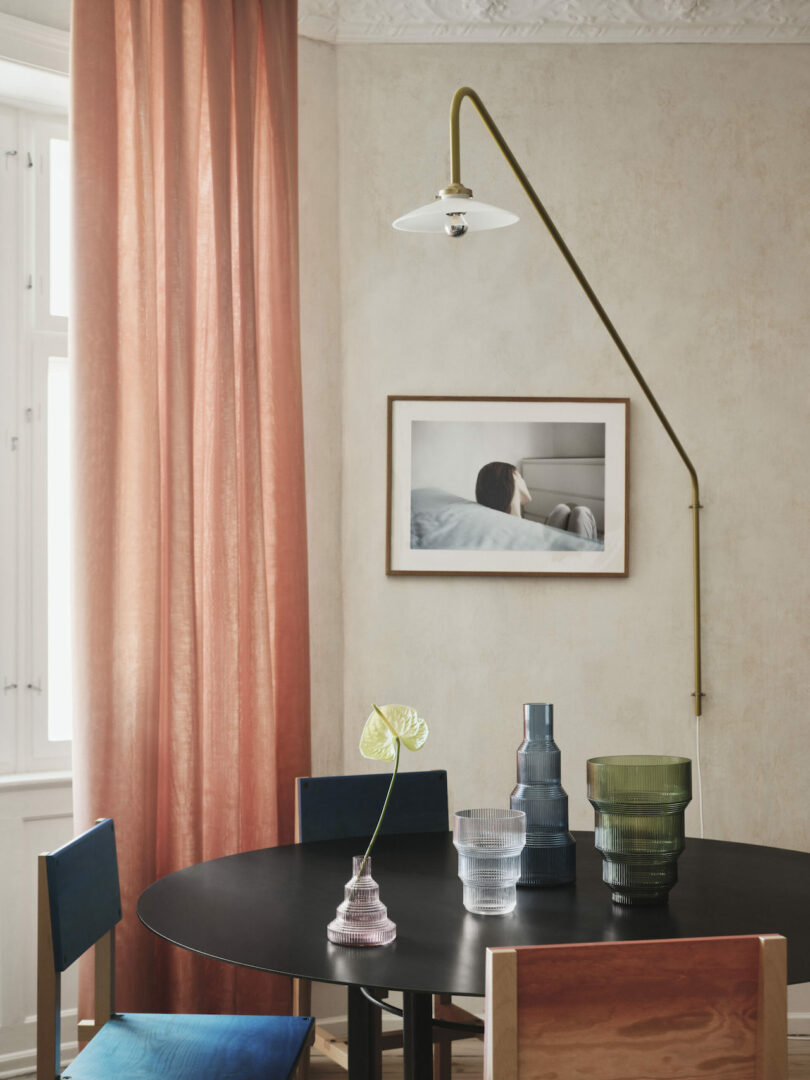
(404, 412)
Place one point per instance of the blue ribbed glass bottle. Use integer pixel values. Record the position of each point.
(549, 857)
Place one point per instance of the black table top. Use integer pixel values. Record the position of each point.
(268, 909)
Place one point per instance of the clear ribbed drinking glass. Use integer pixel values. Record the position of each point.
(639, 802)
(489, 843)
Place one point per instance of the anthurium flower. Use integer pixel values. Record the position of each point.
(388, 723)
(387, 729)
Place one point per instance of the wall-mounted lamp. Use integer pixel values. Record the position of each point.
(455, 212)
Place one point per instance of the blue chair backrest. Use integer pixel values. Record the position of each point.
(333, 807)
(83, 891)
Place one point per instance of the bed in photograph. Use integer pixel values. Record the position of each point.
(441, 520)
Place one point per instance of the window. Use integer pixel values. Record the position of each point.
(35, 602)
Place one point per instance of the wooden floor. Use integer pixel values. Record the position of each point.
(467, 1063)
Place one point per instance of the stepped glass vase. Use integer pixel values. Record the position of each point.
(549, 857)
(639, 802)
(362, 918)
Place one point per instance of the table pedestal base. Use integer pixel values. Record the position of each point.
(364, 1029)
(417, 1036)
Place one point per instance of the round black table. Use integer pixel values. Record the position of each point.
(268, 909)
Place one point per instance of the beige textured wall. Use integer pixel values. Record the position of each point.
(678, 175)
(321, 368)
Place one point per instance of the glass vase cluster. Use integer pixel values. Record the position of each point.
(639, 802)
(549, 857)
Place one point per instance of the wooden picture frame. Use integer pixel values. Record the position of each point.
(507, 485)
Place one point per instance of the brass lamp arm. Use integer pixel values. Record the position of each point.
(457, 187)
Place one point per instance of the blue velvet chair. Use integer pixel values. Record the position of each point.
(79, 905)
(335, 807)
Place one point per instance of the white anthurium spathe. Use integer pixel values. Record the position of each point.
(386, 725)
(387, 729)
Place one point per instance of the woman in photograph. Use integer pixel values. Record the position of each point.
(501, 487)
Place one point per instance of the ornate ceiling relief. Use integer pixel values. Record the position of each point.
(762, 21)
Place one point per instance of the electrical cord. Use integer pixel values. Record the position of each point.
(699, 776)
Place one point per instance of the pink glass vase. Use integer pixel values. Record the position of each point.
(362, 918)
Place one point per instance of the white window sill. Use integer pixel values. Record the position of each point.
(50, 779)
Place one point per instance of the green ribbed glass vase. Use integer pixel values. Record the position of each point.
(639, 802)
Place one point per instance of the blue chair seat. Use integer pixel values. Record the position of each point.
(144, 1046)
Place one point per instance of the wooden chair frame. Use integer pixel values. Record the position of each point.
(502, 1054)
(54, 956)
(49, 985)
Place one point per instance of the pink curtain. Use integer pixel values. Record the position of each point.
(192, 712)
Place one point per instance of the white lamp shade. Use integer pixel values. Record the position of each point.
(433, 217)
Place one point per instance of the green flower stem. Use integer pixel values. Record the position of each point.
(387, 797)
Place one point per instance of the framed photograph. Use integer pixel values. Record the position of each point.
(507, 486)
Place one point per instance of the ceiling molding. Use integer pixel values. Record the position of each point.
(35, 45)
(556, 21)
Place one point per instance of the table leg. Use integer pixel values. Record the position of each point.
(417, 1035)
(364, 1056)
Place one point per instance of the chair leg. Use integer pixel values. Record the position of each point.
(48, 987)
(377, 1040)
(302, 1006)
(443, 1045)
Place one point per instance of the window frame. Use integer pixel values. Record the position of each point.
(34, 336)
(10, 278)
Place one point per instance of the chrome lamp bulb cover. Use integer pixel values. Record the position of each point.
(449, 214)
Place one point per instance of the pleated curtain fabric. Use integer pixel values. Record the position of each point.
(191, 635)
